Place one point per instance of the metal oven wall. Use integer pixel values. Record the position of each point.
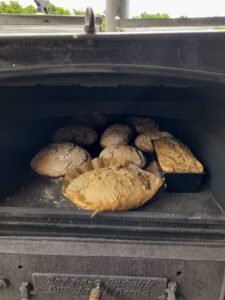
(51, 264)
(29, 116)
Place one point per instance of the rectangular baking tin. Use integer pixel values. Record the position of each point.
(183, 182)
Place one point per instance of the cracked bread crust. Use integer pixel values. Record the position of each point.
(56, 159)
(112, 188)
(144, 140)
(93, 120)
(81, 135)
(123, 154)
(142, 124)
(117, 134)
(175, 157)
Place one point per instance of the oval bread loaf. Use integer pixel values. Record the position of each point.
(144, 140)
(124, 154)
(112, 188)
(57, 158)
(94, 120)
(117, 134)
(78, 134)
(142, 124)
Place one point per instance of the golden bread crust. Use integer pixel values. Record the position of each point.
(112, 188)
(175, 157)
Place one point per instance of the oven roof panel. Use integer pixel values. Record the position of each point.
(170, 58)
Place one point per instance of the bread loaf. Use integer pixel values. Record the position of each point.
(124, 153)
(117, 134)
(144, 140)
(175, 157)
(112, 188)
(78, 134)
(94, 120)
(57, 158)
(142, 124)
(153, 167)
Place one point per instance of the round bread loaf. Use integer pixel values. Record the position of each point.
(57, 158)
(94, 120)
(117, 134)
(144, 140)
(112, 188)
(123, 154)
(154, 168)
(166, 134)
(78, 134)
(142, 124)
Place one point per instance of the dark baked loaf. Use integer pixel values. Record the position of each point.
(94, 120)
(142, 124)
(78, 134)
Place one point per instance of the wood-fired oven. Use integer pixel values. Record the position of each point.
(171, 247)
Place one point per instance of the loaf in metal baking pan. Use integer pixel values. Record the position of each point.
(175, 157)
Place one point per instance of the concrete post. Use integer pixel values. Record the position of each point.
(116, 8)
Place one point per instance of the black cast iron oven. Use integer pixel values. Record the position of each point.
(171, 247)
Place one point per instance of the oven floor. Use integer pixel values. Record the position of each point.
(37, 192)
(36, 207)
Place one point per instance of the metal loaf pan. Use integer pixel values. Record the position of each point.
(183, 182)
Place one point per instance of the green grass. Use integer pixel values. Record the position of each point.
(219, 28)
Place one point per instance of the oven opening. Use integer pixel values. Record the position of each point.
(31, 115)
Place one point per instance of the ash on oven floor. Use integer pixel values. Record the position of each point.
(40, 192)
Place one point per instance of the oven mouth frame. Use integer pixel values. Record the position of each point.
(113, 74)
(51, 223)
(190, 57)
(47, 221)
(23, 217)
(133, 56)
